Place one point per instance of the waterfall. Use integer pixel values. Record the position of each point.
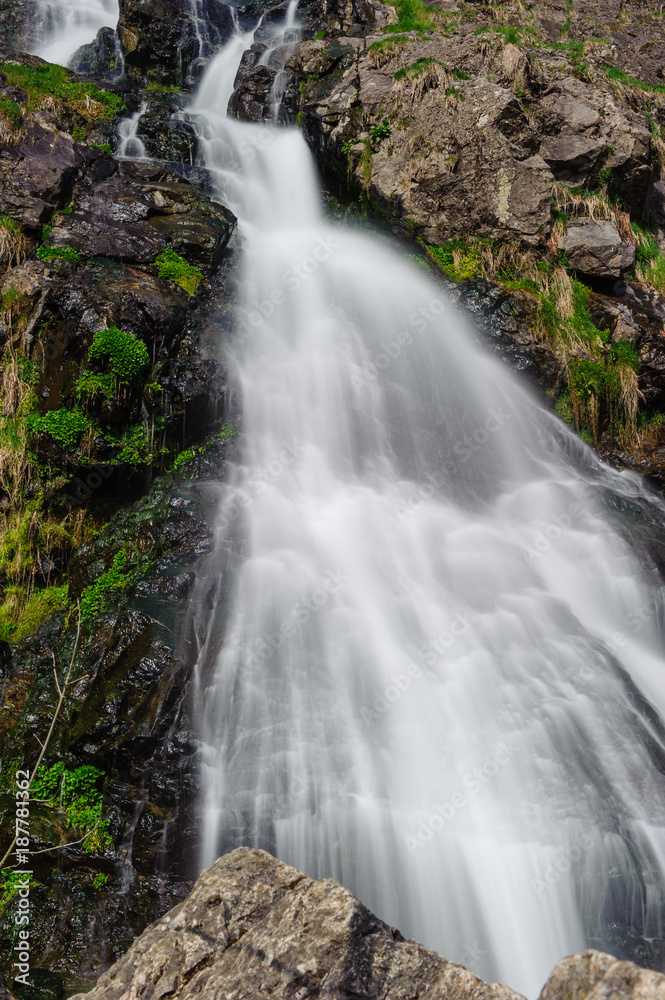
(65, 25)
(436, 668)
(130, 144)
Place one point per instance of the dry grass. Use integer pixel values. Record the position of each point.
(586, 204)
(13, 244)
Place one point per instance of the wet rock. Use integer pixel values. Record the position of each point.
(101, 59)
(163, 41)
(17, 24)
(251, 101)
(165, 136)
(253, 926)
(140, 210)
(596, 248)
(38, 175)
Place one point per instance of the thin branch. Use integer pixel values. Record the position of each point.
(58, 707)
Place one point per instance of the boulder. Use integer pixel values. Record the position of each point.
(254, 927)
(101, 59)
(596, 248)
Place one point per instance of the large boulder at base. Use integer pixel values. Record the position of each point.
(596, 248)
(254, 927)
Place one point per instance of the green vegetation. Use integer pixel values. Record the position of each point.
(90, 386)
(412, 15)
(649, 260)
(381, 131)
(226, 432)
(48, 254)
(618, 76)
(388, 44)
(11, 881)
(21, 616)
(104, 146)
(163, 88)
(49, 81)
(10, 111)
(100, 880)
(65, 426)
(319, 36)
(459, 74)
(79, 794)
(13, 246)
(108, 587)
(172, 266)
(417, 68)
(510, 34)
(127, 356)
(136, 450)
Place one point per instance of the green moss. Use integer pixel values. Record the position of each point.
(90, 386)
(104, 146)
(100, 880)
(457, 259)
(48, 254)
(163, 88)
(11, 880)
(64, 426)
(127, 355)
(172, 266)
(108, 587)
(319, 36)
(20, 618)
(47, 80)
(388, 44)
(459, 74)
(79, 793)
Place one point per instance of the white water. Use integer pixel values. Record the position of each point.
(65, 25)
(130, 144)
(426, 603)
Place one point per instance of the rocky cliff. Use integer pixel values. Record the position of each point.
(255, 927)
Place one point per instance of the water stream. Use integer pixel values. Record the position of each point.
(425, 676)
(65, 25)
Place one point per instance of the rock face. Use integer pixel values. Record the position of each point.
(596, 248)
(254, 927)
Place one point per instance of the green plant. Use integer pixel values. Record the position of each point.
(11, 112)
(510, 34)
(381, 131)
(78, 133)
(127, 355)
(104, 146)
(319, 36)
(48, 254)
(163, 88)
(459, 74)
(48, 80)
(417, 68)
(79, 793)
(21, 615)
(136, 450)
(618, 76)
(172, 266)
(64, 426)
(412, 15)
(100, 880)
(108, 586)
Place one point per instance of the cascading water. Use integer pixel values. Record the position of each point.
(65, 25)
(428, 675)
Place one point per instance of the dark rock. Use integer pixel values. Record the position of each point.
(596, 248)
(165, 136)
(37, 176)
(168, 40)
(251, 101)
(141, 210)
(101, 59)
